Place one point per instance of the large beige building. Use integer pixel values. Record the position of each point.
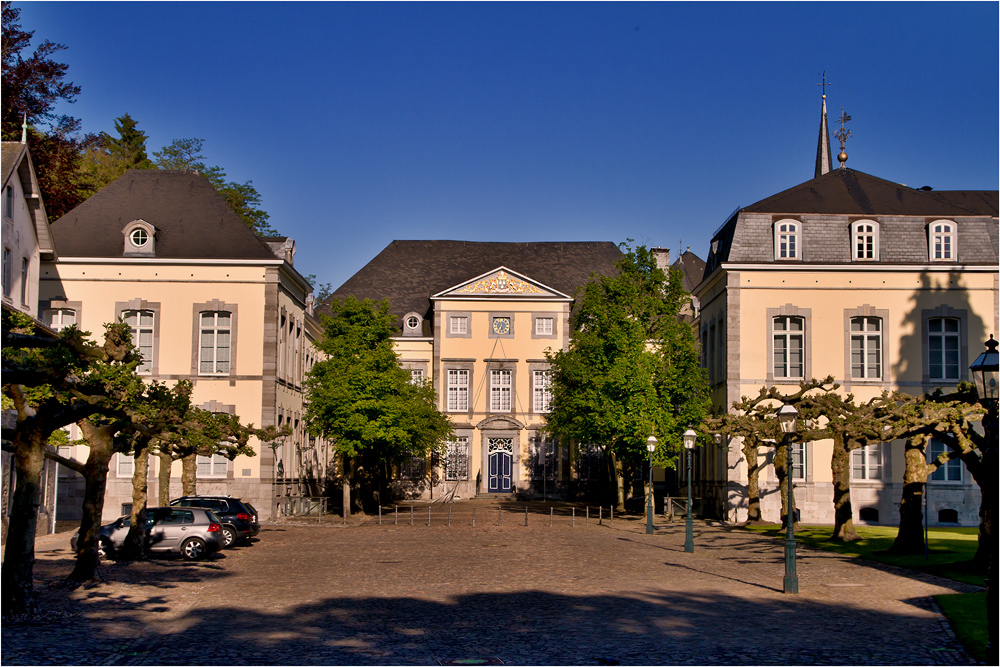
(475, 320)
(884, 287)
(208, 302)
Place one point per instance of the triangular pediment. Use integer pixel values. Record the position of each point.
(501, 282)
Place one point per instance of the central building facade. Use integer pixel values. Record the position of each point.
(475, 320)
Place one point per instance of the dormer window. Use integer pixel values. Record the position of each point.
(412, 324)
(942, 241)
(864, 240)
(786, 240)
(140, 239)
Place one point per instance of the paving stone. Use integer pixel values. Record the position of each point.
(362, 593)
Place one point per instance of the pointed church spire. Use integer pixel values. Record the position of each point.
(823, 149)
(24, 130)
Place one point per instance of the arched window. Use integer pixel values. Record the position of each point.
(786, 240)
(864, 240)
(942, 241)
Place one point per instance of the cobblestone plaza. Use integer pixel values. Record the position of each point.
(416, 594)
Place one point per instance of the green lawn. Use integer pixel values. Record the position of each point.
(949, 553)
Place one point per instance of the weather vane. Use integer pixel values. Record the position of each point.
(843, 134)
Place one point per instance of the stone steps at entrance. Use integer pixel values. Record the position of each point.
(495, 496)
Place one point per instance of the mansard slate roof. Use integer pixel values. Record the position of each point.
(407, 273)
(192, 220)
(827, 205)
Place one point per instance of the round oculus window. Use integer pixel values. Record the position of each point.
(139, 237)
(412, 322)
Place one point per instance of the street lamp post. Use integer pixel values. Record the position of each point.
(985, 370)
(650, 447)
(787, 420)
(689, 438)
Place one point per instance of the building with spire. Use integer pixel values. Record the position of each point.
(883, 286)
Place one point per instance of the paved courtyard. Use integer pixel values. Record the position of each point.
(415, 594)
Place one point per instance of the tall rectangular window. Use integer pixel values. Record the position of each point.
(8, 202)
(786, 240)
(8, 277)
(542, 391)
(865, 241)
(141, 324)
(866, 463)
(798, 460)
(950, 471)
(126, 465)
(866, 348)
(456, 462)
(216, 334)
(458, 390)
(789, 347)
(24, 281)
(942, 241)
(943, 338)
(212, 466)
(412, 468)
(500, 391)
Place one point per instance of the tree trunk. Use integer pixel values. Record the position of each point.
(618, 482)
(751, 451)
(18, 595)
(843, 512)
(135, 547)
(189, 475)
(163, 479)
(910, 536)
(780, 471)
(345, 486)
(100, 441)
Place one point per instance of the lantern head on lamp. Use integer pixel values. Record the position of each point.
(651, 442)
(787, 418)
(689, 438)
(984, 374)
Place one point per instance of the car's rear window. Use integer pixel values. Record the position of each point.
(212, 517)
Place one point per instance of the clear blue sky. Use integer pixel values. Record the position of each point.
(364, 123)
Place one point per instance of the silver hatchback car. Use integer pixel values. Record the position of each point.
(192, 532)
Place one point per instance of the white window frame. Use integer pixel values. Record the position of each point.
(788, 336)
(951, 471)
(866, 344)
(458, 390)
(942, 241)
(217, 466)
(25, 267)
(416, 376)
(456, 461)
(458, 324)
(799, 461)
(500, 390)
(56, 318)
(541, 382)
(146, 366)
(787, 240)
(413, 467)
(210, 354)
(864, 241)
(868, 463)
(948, 342)
(544, 326)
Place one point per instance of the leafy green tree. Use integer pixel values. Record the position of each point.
(362, 401)
(631, 368)
(51, 383)
(31, 86)
(186, 155)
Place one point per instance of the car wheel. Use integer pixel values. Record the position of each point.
(193, 549)
(229, 535)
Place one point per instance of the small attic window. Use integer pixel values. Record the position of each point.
(140, 239)
(412, 324)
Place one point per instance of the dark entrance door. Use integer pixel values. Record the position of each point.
(501, 458)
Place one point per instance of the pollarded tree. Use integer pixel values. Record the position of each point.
(51, 383)
(631, 368)
(363, 402)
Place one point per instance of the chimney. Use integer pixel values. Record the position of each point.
(662, 256)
